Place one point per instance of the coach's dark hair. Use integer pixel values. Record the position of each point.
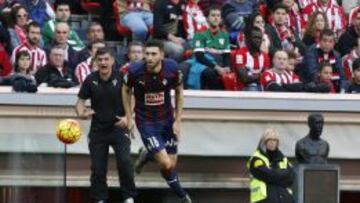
(61, 3)
(103, 51)
(32, 24)
(155, 43)
(18, 56)
(327, 33)
(356, 64)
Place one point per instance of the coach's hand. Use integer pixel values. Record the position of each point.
(130, 127)
(121, 122)
(176, 129)
(87, 114)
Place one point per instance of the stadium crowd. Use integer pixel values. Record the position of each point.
(238, 45)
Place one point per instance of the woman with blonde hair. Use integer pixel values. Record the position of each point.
(317, 23)
(271, 173)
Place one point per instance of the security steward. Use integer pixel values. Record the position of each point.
(108, 127)
(271, 174)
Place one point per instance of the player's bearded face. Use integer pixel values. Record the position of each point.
(153, 57)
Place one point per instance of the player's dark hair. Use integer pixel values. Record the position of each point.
(356, 64)
(103, 51)
(155, 43)
(327, 33)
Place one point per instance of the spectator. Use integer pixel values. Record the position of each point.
(212, 50)
(354, 86)
(316, 24)
(88, 66)
(282, 36)
(135, 53)
(39, 10)
(349, 59)
(324, 51)
(255, 20)
(277, 79)
(291, 66)
(271, 173)
(17, 24)
(55, 74)
(295, 17)
(32, 45)
(304, 3)
(61, 39)
(325, 76)
(352, 14)
(5, 64)
(168, 26)
(4, 36)
(95, 33)
(234, 13)
(335, 15)
(62, 14)
(194, 20)
(23, 80)
(251, 61)
(137, 16)
(348, 40)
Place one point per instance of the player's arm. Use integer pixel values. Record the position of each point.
(126, 96)
(82, 111)
(179, 99)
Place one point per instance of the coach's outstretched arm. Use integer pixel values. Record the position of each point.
(179, 100)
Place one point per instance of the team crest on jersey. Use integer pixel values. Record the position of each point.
(222, 41)
(154, 99)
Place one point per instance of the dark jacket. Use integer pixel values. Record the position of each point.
(52, 76)
(276, 41)
(347, 41)
(277, 180)
(23, 83)
(234, 14)
(311, 66)
(165, 14)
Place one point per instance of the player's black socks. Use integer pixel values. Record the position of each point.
(174, 183)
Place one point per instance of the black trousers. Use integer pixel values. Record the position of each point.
(210, 79)
(99, 144)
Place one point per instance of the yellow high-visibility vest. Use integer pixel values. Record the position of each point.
(258, 189)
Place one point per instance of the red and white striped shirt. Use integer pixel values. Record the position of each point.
(254, 64)
(347, 62)
(37, 56)
(335, 15)
(271, 77)
(83, 69)
(304, 3)
(194, 19)
(352, 14)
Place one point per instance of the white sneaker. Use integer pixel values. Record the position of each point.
(129, 200)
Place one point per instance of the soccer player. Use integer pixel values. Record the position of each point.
(151, 81)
